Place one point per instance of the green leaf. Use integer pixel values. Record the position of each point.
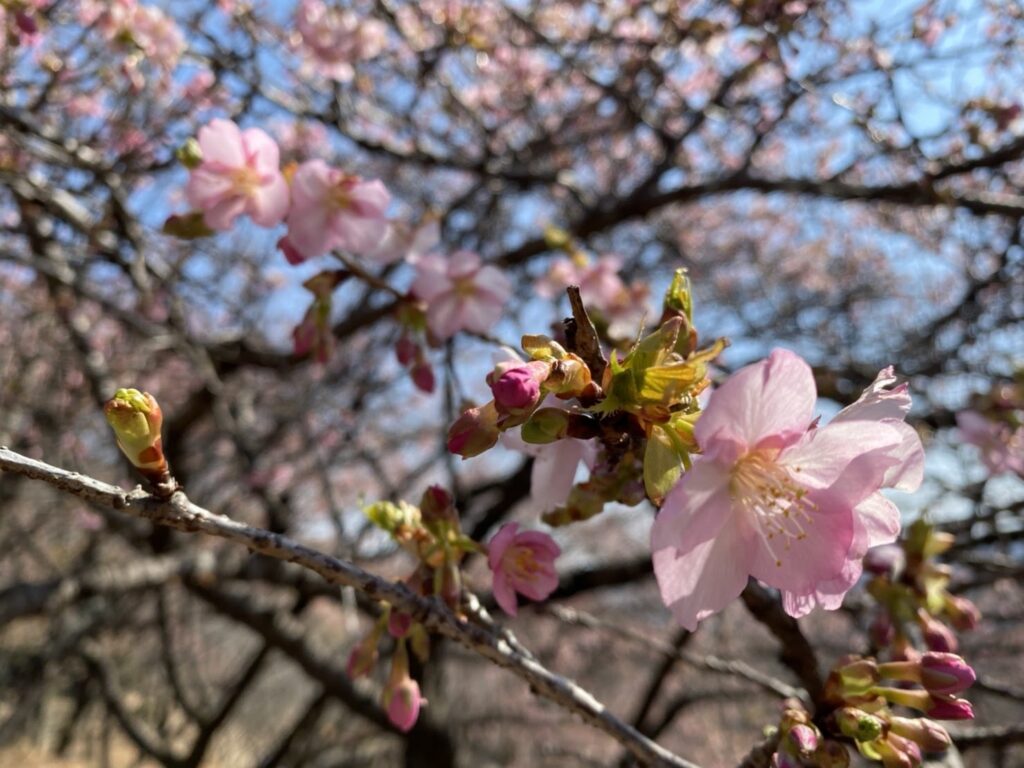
(663, 465)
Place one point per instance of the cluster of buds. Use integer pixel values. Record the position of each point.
(432, 535)
(911, 590)
(801, 743)
(862, 693)
(995, 424)
(641, 409)
(136, 419)
(400, 696)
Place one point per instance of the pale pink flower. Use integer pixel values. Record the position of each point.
(1002, 449)
(554, 464)
(332, 209)
(876, 519)
(460, 293)
(239, 174)
(524, 563)
(774, 497)
(335, 38)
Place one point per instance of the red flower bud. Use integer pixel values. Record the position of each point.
(945, 673)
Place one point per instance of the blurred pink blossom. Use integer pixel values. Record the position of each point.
(335, 38)
(523, 563)
(332, 209)
(460, 293)
(1002, 448)
(239, 174)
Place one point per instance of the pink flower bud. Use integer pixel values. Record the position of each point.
(963, 614)
(363, 657)
(945, 673)
(399, 624)
(885, 560)
(931, 736)
(882, 630)
(474, 431)
(950, 708)
(423, 377)
(291, 253)
(517, 386)
(937, 636)
(523, 563)
(803, 738)
(898, 752)
(404, 702)
(406, 350)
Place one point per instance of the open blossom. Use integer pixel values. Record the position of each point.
(774, 497)
(523, 563)
(239, 174)
(1002, 449)
(460, 293)
(333, 209)
(335, 38)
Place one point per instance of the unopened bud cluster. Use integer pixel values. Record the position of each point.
(136, 419)
(640, 407)
(863, 692)
(915, 606)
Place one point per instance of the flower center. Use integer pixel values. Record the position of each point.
(246, 181)
(522, 564)
(777, 504)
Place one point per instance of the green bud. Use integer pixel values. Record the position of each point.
(190, 154)
(546, 425)
(859, 725)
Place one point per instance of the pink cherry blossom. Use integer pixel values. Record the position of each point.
(332, 209)
(239, 174)
(523, 563)
(460, 293)
(774, 498)
(1002, 449)
(335, 38)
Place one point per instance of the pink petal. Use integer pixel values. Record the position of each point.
(877, 402)
(261, 151)
(370, 199)
(554, 472)
(706, 578)
(771, 400)
(307, 229)
(445, 315)
(495, 282)
(800, 564)
(462, 264)
(695, 510)
(478, 313)
(222, 214)
(431, 278)
(221, 142)
(501, 541)
(311, 183)
(540, 586)
(270, 203)
(543, 546)
(504, 595)
(822, 455)
(356, 234)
